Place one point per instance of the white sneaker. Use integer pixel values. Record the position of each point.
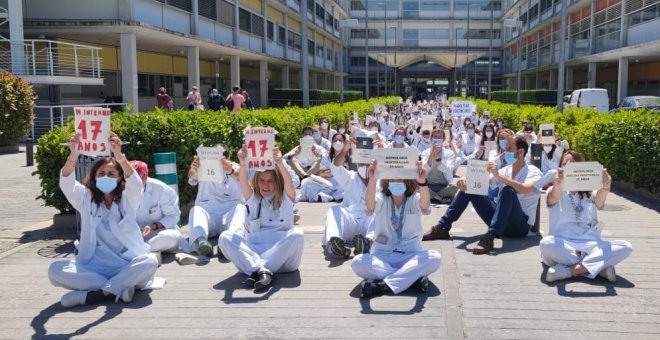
(127, 294)
(608, 274)
(186, 259)
(159, 257)
(558, 272)
(74, 298)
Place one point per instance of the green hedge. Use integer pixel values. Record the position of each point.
(288, 97)
(626, 143)
(182, 132)
(543, 97)
(16, 104)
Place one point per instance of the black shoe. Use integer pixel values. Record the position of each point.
(422, 284)
(338, 247)
(484, 247)
(436, 234)
(265, 279)
(375, 288)
(361, 244)
(252, 279)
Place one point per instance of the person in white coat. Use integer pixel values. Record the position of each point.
(439, 162)
(158, 214)
(112, 258)
(215, 206)
(324, 187)
(263, 241)
(397, 260)
(574, 246)
(468, 143)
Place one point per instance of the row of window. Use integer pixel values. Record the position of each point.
(426, 33)
(360, 62)
(647, 14)
(408, 7)
(321, 13)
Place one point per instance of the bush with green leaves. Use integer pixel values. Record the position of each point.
(16, 104)
(294, 97)
(539, 96)
(183, 131)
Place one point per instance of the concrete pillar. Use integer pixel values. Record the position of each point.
(285, 43)
(304, 54)
(264, 40)
(263, 83)
(622, 86)
(129, 78)
(235, 70)
(15, 8)
(285, 77)
(194, 18)
(552, 80)
(236, 28)
(592, 31)
(569, 78)
(193, 67)
(591, 75)
(623, 38)
(313, 81)
(125, 10)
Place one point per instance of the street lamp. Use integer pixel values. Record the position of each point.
(343, 25)
(514, 23)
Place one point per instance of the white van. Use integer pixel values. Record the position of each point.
(590, 98)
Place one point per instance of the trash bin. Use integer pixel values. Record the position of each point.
(165, 164)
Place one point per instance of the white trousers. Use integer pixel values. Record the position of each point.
(309, 191)
(166, 240)
(137, 273)
(339, 222)
(207, 222)
(595, 256)
(277, 251)
(398, 270)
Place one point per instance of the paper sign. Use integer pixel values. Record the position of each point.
(583, 176)
(93, 125)
(260, 143)
(547, 133)
(363, 150)
(306, 145)
(427, 122)
(477, 178)
(490, 145)
(210, 167)
(397, 163)
(461, 109)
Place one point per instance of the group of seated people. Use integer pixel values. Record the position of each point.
(128, 218)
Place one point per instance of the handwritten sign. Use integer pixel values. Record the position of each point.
(477, 178)
(461, 109)
(427, 122)
(490, 145)
(547, 133)
(260, 143)
(583, 176)
(93, 125)
(210, 168)
(306, 154)
(363, 150)
(396, 163)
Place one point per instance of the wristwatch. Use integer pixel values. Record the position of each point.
(426, 183)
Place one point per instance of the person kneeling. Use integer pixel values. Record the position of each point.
(397, 260)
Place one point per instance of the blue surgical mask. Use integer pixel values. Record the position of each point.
(470, 132)
(438, 141)
(502, 143)
(106, 184)
(316, 135)
(399, 139)
(509, 157)
(397, 189)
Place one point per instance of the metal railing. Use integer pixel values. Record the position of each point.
(46, 117)
(53, 58)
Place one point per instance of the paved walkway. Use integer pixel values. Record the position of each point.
(502, 295)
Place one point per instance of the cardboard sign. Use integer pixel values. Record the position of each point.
(93, 125)
(427, 122)
(210, 167)
(397, 163)
(461, 109)
(490, 145)
(363, 150)
(583, 176)
(260, 143)
(537, 151)
(306, 145)
(477, 178)
(547, 133)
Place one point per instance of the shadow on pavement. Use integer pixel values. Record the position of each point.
(509, 244)
(420, 301)
(235, 282)
(112, 309)
(609, 288)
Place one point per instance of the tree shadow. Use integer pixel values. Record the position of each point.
(563, 285)
(420, 300)
(509, 244)
(112, 309)
(236, 282)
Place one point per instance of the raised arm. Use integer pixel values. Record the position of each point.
(289, 190)
(70, 164)
(601, 194)
(424, 193)
(246, 189)
(554, 196)
(115, 146)
(370, 195)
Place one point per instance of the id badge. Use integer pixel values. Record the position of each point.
(254, 226)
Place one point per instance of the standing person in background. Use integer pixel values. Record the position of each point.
(194, 99)
(235, 100)
(247, 104)
(163, 100)
(216, 101)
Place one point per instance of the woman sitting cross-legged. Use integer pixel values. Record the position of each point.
(397, 259)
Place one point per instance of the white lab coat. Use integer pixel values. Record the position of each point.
(387, 128)
(160, 203)
(469, 148)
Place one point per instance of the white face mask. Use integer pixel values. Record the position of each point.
(324, 125)
(342, 131)
(362, 171)
(373, 128)
(547, 148)
(338, 146)
(489, 134)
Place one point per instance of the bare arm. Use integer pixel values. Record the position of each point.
(370, 195)
(70, 164)
(341, 156)
(554, 196)
(424, 193)
(601, 194)
(289, 190)
(246, 189)
(115, 146)
(521, 188)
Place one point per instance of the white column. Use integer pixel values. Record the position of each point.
(235, 70)
(591, 75)
(125, 10)
(129, 78)
(194, 18)
(193, 67)
(304, 80)
(285, 77)
(235, 29)
(622, 86)
(624, 25)
(263, 83)
(15, 8)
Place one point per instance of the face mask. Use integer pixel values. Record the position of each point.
(509, 157)
(316, 135)
(399, 139)
(307, 137)
(438, 141)
(426, 139)
(362, 171)
(502, 143)
(338, 146)
(470, 132)
(324, 125)
(547, 149)
(489, 134)
(106, 184)
(373, 128)
(397, 189)
(342, 131)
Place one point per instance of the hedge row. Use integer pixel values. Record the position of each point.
(182, 132)
(16, 105)
(626, 142)
(543, 97)
(287, 97)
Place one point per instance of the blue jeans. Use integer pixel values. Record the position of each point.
(506, 218)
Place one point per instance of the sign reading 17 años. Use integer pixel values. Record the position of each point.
(260, 143)
(93, 125)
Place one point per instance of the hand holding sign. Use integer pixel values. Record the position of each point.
(259, 144)
(397, 163)
(583, 176)
(210, 169)
(477, 177)
(93, 125)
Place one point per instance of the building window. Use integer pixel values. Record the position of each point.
(185, 5)
(434, 33)
(310, 47)
(647, 14)
(295, 41)
(411, 9)
(207, 9)
(320, 12)
(434, 6)
(319, 51)
(226, 13)
(281, 34)
(270, 30)
(250, 22)
(410, 37)
(357, 61)
(357, 5)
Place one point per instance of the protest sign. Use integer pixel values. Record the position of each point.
(547, 133)
(306, 145)
(427, 122)
(93, 126)
(490, 145)
(477, 177)
(461, 109)
(583, 176)
(210, 168)
(363, 150)
(260, 143)
(396, 163)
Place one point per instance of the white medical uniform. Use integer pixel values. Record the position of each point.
(277, 246)
(548, 164)
(327, 188)
(468, 149)
(573, 240)
(397, 256)
(387, 128)
(111, 254)
(160, 203)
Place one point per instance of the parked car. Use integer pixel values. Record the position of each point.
(589, 98)
(651, 103)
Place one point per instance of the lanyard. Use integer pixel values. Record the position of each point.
(397, 224)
